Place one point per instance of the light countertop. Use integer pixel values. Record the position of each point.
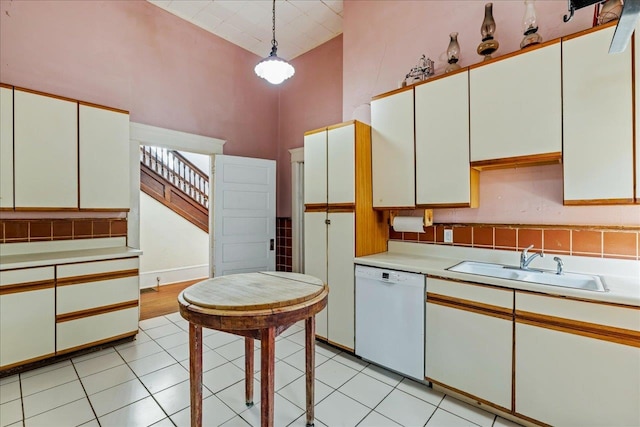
(37, 254)
(621, 277)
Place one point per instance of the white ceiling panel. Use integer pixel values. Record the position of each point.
(301, 25)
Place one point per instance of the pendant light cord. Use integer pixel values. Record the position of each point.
(274, 43)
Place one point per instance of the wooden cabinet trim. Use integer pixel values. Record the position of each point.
(96, 343)
(26, 362)
(66, 317)
(340, 346)
(392, 92)
(471, 306)
(315, 207)
(510, 162)
(27, 287)
(590, 301)
(575, 327)
(516, 53)
(102, 107)
(314, 131)
(597, 202)
(74, 280)
(589, 30)
(341, 125)
(442, 205)
(531, 420)
(463, 393)
(49, 95)
(63, 98)
(341, 207)
(441, 76)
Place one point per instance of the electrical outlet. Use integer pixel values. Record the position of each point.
(448, 235)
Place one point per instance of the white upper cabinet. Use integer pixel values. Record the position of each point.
(393, 150)
(516, 109)
(598, 121)
(104, 158)
(443, 175)
(6, 147)
(341, 166)
(315, 167)
(46, 151)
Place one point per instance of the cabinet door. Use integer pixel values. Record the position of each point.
(393, 150)
(340, 277)
(597, 121)
(341, 164)
(46, 151)
(464, 348)
(315, 257)
(27, 315)
(443, 175)
(104, 158)
(516, 106)
(565, 379)
(6, 147)
(315, 167)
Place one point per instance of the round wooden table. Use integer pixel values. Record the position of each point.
(256, 306)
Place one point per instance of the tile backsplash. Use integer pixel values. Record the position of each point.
(284, 260)
(39, 230)
(601, 242)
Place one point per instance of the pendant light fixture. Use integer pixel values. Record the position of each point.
(274, 69)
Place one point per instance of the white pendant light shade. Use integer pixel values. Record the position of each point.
(275, 70)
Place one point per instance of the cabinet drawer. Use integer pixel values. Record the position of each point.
(484, 295)
(92, 330)
(26, 275)
(581, 311)
(92, 271)
(84, 296)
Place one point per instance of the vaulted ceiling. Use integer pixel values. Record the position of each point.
(301, 25)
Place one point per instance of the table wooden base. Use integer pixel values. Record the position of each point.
(267, 373)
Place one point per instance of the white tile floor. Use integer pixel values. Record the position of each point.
(146, 382)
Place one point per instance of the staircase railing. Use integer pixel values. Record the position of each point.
(179, 171)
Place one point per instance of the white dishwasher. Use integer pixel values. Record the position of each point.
(390, 319)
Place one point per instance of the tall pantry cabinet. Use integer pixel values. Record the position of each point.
(339, 221)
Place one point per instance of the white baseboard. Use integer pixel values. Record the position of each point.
(149, 279)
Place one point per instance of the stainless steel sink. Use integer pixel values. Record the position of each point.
(568, 280)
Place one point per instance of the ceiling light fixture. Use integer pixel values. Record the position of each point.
(274, 69)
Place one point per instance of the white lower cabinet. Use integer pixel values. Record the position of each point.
(340, 275)
(577, 363)
(96, 301)
(469, 340)
(27, 315)
(56, 309)
(95, 329)
(328, 253)
(315, 258)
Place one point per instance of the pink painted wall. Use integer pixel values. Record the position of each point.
(135, 56)
(383, 40)
(310, 100)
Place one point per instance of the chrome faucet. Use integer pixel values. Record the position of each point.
(526, 259)
(560, 265)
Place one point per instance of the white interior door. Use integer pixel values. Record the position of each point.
(244, 209)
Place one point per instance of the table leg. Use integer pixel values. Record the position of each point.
(195, 372)
(310, 357)
(248, 370)
(267, 366)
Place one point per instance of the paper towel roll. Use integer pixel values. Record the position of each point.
(408, 224)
